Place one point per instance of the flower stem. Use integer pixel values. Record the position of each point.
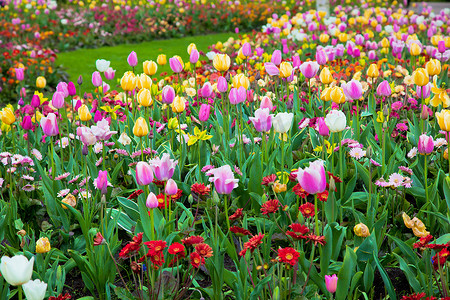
(225, 197)
(316, 217)
(20, 292)
(425, 177)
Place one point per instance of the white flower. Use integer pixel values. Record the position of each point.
(102, 65)
(282, 122)
(124, 139)
(35, 289)
(64, 21)
(210, 55)
(336, 121)
(16, 270)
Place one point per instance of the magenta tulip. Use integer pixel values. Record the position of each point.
(384, 89)
(296, 61)
(353, 89)
(204, 112)
(309, 69)
(175, 65)
(321, 57)
(110, 73)
(163, 167)
(101, 182)
(194, 56)
(49, 125)
(58, 100)
(96, 79)
(223, 179)
(26, 123)
(312, 179)
(144, 173)
(322, 127)
(35, 101)
(171, 187)
(276, 57)
(19, 74)
(237, 96)
(71, 89)
(222, 84)
(168, 94)
(331, 283)
(426, 144)
(262, 120)
(132, 59)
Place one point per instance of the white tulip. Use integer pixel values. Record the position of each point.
(102, 65)
(16, 270)
(35, 289)
(282, 122)
(124, 139)
(336, 121)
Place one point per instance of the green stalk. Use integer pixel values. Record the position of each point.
(20, 292)
(52, 160)
(357, 120)
(225, 198)
(341, 174)
(282, 158)
(425, 177)
(316, 218)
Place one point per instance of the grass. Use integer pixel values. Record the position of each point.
(82, 62)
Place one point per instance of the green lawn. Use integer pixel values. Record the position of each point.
(82, 62)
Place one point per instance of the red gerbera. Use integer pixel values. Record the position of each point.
(192, 240)
(293, 175)
(298, 231)
(239, 231)
(158, 183)
(204, 250)
(299, 191)
(323, 196)
(307, 210)
(61, 297)
(423, 242)
(200, 189)
(158, 259)
(438, 247)
(269, 179)
(132, 247)
(155, 247)
(316, 239)
(176, 248)
(336, 178)
(196, 260)
(440, 258)
(237, 215)
(163, 201)
(135, 194)
(414, 296)
(288, 255)
(270, 206)
(177, 195)
(252, 244)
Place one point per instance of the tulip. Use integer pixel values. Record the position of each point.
(237, 96)
(325, 76)
(206, 90)
(266, 103)
(124, 139)
(322, 127)
(171, 187)
(96, 79)
(324, 38)
(110, 73)
(144, 173)
(221, 62)
(361, 230)
(145, 97)
(35, 101)
(241, 80)
(132, 59)
(150, 67)
(7, 116)
(140, 128)
(262, 120)
(325, 95)
(336, 121)
(62, 87)
(433, 67)
(43, 245)
(443, 118)
(204, 112)
(247, 49)
(80, 80)
(441, 46)
(191, 48)
(26, 123)
(101, 182)
(19, 74)
(309, 69)
(385, 43)
(168, 94)
(152, 201)
(49, 125)
(373, 71)
(178, 104)
(296, 61)
(426, 144)
(331, 283)
(282, 122)
(128, 81)
(86, 136)
(223, 179)
(285, 69)
(420, 77)
(312, 179)
(58, 100)
(144, 81)
(271, 69)
(321, 57)
(161, 60)
(194, 56)
(83, 113)
(102, 65)
(41, 82)
(176, 64)
(415, 49)
(163, 167)
(16, 270)
(384, 89)
(97, 116)
(222, 84)
(71, 89)
(35, 289)
(337, 95)
(276, 57)
(353, 89)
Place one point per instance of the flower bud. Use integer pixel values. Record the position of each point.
(171, 187)
(140, 128)
(361, 230)
(152, 201)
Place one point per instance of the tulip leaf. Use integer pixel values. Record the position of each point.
(345, 274)
(255, 175)
(412, 280)
(447, 190)
(386, 280)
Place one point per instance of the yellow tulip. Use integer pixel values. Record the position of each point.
(41, 82)
(420, 77)
(373, 71)
(241, 80)
(415, 49)
(433, 67)
(343, 37)
(69, 200)
(416, 225)
(337, 95)
(285, 69)
(161, 60)
(325, 95)
(144, 97)
(221, 62)
(361, 230)
(324, 38)
(325, 76)
(39, 115)
(83, 113)
(150, 67)
(140, 128)
(443, 118)
(385, 43)
(128, 81)
(43, 245)
(178, 104)
(144, 81)
(191, 47)
(447, 42)
(7, 116)
(435, 39)
(241, 55)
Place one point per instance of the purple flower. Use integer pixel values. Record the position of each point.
(262, 120)
(102, 130)
(223, 179)
(101, 182)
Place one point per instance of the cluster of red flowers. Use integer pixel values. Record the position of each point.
(132, 247)
(440, 257)
(201, 250)
(200, 189)
(252, 244)
(61, 297)
(419, 296)
(269, 180)
(155, 252)
(237, 215)
(443, 250)
(299, 191)
(270, 206)
(288, 255)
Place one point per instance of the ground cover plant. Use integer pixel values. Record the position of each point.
(306, 160)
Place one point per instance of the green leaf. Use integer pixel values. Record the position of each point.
(412, 280)
(259, 287)
(385, 277)
(256, 175)
(345, 274)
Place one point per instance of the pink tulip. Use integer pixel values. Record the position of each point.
(171, 187)
(110, 73)
(152, 201)
(426, 144)
(206, 90)
(312, 179)
(102, 130)
(237, 96)
(35, 101)
(168, 94)
(372, 55)
(49, 125)
(322, 127)
(262, 120)
(222, 84)
(276, 57)
(223, 179)
(71, 89)
(194, 56)
(441, 46)
(309, 69)
(384, 89)
(175, 65)
(96, 79)
(266, 103)
(163, 167)
(19, 74)
(58, 100)
(26, 123)
(247, 49)
(321, 57)
(132, 59)
(101, 182)
(353, 89)
(144, 173)
(204, 112)
(331, 283)
(271, 69)
(63, 88)
(296, 61)
(423, 91)
(86, 136)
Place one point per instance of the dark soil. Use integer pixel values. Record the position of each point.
(398, 279)
(75, 286)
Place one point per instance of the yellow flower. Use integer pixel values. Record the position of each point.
(128, 81)
(144, 81)
(433, 67)
(161, 60)
(279, 187)
(361, 230)
(69, 200)
(221, 62)
(440, 95)
(327, 145)
(416, 225)
(324, 38)
(420, 77)
(43, 245)
(39, 115)
(337, 95)
(198, 135)
(145, 97)
(150, 67)
(191, 47)
(112, 111)
(285, 69)
(325, 95)
(385, 43)
(140, 128)
(7, 115)
(373, 71)
(325, 76)
(241, 80)
(173, 123)
(83, 113)
(415, 49)
(178, 104)
(41, 82)
(443, 118)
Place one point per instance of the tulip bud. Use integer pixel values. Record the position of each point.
(144, 173)
(178, 104)
(423, 91)
(325, 76)
(132, 59)
(206, 90)
(331, 283)
(222, 84)
(35, 101)
(426, 144)
(145, 97)
(7, 116)
(110, 73)
(241, 80)
(140, 128)
(161, 60)
(96, 79)
(168, 94)
(321, 57)
(276, 57)
(373, 71)
(361, 230)
(323, 128)
(128, 81)
(424, 114)
(35, 289)
(171, 187)
(194, 56)
(441, 46)
(41, 82)
(337, 95)
(71, 89)
(415, 49)
(144, 81)
(49, 125)
(80, 80)
(433, 67)
(152, 201)
(247, 49)
(369, 152)
(420, 77)
(58, 100)
(221, 62)
(266, 103)
(150, 67)
(19, 74)
(43, 245)
(285, 69)
(84, 114)
(26, 123)
(384, 89)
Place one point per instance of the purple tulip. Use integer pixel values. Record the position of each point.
(96, 79)
(175, 65)
(309, 69)
(331, 283)
(271, 69)
(71, 89)
(132, 59)
(171, 187)
(204, 112)
(423, 92)
(26, 123)
(222, 84)
(312, 179)
(384, 89)
(101, 182)
(35, 101)
(144, 173)
(259, 51)
(426, 144)
(20, 102)
(441, 46)
(19, 74)
(163, 167)
(152, 201)
(58, 100)
(223, 179)
(168, 94)
(262, 120)
(322, 127)
(194, 56)
(49, 125)
(276, 57)
(352, 89)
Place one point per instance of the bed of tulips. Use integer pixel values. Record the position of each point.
(307, 161)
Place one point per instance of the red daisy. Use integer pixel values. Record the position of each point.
(336, 178)
(157, 260)
(298, 231)
(252, 244)
(161, 202)
(239, 231)
(323, 196)
(269, 179)
(299, 191)
(414, 296)
(270, 206)
(237, 215)
(192, 240)
(316, 239)
(132, 247)
(135, 194)
(177, 195)
(204, 250)
(196, 260)
(155, 247)
(200, 189)
(288, 255)
(423, 242)
(440, 258)
(307, 210)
